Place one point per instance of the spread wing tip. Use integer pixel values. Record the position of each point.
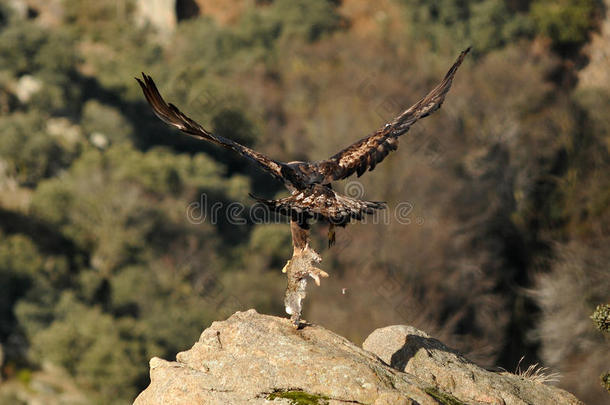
(144, 76)
(147, 83)
(464, 53)
(171, 115)
(369, 151)
(457, 63)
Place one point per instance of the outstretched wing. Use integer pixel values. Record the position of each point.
(369, 151)
(171, 115)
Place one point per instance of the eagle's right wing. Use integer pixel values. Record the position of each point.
(369, 151)
(171, 115)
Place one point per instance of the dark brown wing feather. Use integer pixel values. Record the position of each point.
(171, 115)
(369, 151)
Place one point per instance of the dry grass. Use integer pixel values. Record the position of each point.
(535, 372)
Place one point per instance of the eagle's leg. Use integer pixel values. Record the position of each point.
(331, 235)
(298, 268)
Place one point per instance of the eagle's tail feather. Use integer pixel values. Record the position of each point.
(335, 208)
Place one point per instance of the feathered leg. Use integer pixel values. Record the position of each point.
(298, 268)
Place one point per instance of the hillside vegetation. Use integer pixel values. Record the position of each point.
(499, 204)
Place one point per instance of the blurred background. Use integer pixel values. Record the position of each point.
(501, 249)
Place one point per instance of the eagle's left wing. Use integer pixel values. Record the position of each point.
(369, 151)
(171, 115)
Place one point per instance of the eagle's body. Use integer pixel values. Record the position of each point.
(309, 183)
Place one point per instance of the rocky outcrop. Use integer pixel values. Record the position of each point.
(48, 13)
(257, 359)
(161, 14)
(596, 73)
(413, 351)
(165, 14)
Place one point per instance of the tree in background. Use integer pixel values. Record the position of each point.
(500, 248)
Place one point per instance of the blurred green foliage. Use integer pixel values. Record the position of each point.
(20, 263)
(109, 253)
(484, 24)
(31, 153)
(490, 24)
(28, 48)
(305, 19)
(99, 21)
(49, 55)
(566, 22)
(106, 120)
(109, 366)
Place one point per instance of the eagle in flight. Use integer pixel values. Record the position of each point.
(309, 183)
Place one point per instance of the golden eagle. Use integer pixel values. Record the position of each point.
(309, 183)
